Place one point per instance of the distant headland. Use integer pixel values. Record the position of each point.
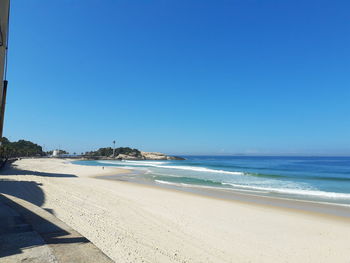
(23, 148)
(126, 153)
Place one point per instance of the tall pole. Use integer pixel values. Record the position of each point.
(4, 25)
(113, 149)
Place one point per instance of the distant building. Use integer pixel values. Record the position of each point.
(55, 153)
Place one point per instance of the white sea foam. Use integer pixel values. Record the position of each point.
(204, 186)
(201, 169)
(136, 163)
(301, 192)
(170, 183)
(160, 165)
(150, 163)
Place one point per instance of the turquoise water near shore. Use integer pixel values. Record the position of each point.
(321, 179)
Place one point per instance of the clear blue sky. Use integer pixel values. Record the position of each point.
(198, 77)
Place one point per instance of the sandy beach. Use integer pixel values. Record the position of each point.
(137, 223)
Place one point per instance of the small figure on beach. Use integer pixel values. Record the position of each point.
(103, 167)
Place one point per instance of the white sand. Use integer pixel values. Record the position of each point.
(136, 223)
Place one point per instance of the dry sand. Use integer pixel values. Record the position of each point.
(137, 223)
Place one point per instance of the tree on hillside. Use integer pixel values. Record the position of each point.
(108, 151)
(21, 148)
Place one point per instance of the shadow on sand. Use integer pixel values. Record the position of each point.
(12, 170)
(17, 233)
(18, 225)
(27, 190)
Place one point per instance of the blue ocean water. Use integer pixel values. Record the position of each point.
(322, 179)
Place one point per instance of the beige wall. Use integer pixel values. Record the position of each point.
(4, 7)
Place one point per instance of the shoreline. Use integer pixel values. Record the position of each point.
(131, 222)
(319, 207)
(322, 208)
(179, 180)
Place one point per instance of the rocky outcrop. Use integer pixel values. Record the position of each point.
(147, 156)
(126, 153)
(159, 156)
